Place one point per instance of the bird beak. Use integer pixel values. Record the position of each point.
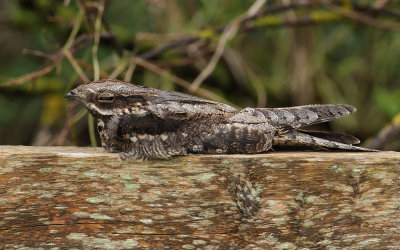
(71, 94)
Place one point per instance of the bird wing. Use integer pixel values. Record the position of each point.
(302, 116)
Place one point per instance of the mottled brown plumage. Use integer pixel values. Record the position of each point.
(142, 122)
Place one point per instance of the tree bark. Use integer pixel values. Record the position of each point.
(69, 197)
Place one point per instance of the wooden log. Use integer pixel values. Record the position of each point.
(68, 197)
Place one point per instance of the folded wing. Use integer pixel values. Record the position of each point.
(302, 116)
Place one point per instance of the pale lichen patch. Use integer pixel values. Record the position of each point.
(369, 242)
(90, 174)
(81, 214)
(146, 221)
(286, 245)
(206, 176)
(280, 220)
(97, 216)
(209, 213)
(199, 242)
(60, 207)
(183, 236)
(159, 217)
(45, 170)
(206, 222)
(76, 236)
(314, 200)
(126, 176)
(178, 213)
(46, 194)
(94, 200)
(131, 186)
(308, 223)
(103, 243)
(188, 246)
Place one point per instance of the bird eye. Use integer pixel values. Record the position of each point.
(106, 98)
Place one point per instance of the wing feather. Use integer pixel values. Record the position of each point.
(302, 116)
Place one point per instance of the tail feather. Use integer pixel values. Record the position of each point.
(332, 136)
(302, 116)
(298, 139)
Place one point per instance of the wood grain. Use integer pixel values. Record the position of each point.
(68, 197)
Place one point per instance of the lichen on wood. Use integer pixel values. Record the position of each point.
(70, 197)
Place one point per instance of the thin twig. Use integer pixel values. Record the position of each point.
(130, 70)
(38, 53)
(79, 115)
(187, 40)
(96, 64)
(388, 134)
(76, 66)
(70, 43)
(362, 18)
(373, 11)
(229, 32)
(112, 37)
(92, 132)
(67, 125)
(27, 77)
(227, 35)
(123, 63)
(74, 32)
(131, 65)
(379, 4)
(257, 85)
(96, 41)
(234, 63)
(167, 46)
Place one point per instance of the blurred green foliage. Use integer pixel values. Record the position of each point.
(334, 60)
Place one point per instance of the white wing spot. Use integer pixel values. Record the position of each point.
(100, 123)
(197, 148)
(142, 136)
(139, 112)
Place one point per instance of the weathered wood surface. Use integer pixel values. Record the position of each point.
(66, 197)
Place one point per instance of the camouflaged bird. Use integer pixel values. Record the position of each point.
(143, 122)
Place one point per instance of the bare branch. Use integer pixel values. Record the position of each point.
(362, 18)
(229, 32)
(388, 134)
(76, 66)
(96, 41)
(28, 77)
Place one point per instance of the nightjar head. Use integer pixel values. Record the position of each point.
(108, 97)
